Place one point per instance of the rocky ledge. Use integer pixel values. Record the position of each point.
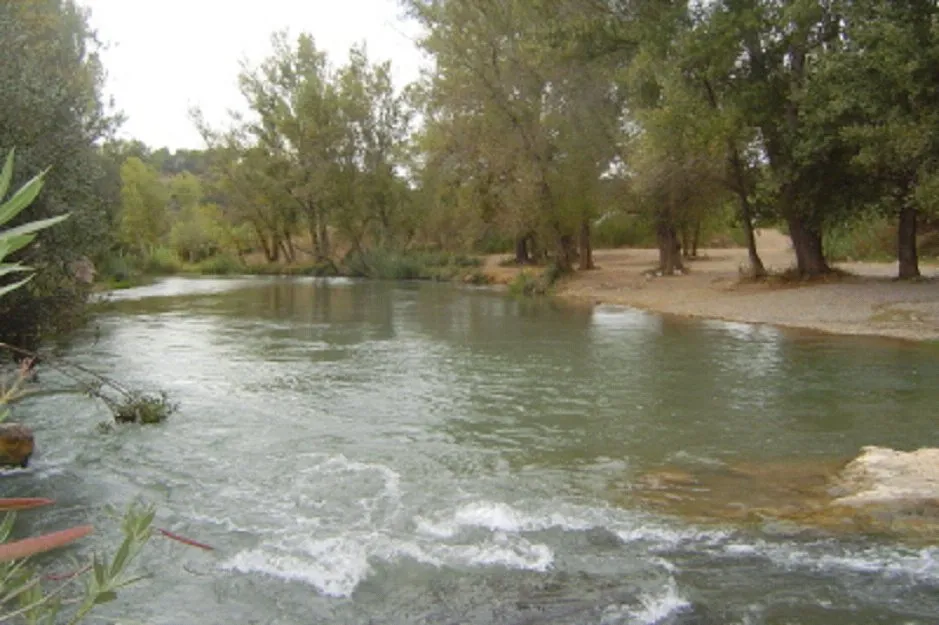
(881, 491)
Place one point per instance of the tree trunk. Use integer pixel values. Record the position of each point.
(586, 249)
(757, 270)
(315, 240)
(521, 249)
(696, 238)
(669, 249)
(906, 243)
(325, 248)
(565, 253)
(807, 242)
(274, 254)
(289, 251)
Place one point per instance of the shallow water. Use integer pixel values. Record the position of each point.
(415, 453)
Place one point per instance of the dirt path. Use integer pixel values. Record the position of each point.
(869, 302)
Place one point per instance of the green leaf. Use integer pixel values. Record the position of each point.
(7, 174)
(120, 558)
(21, 199)
(35, 226)
(106, 597)
(12, 287)
(100, 572)
(7, 526)
(13, 268)
(10, 244)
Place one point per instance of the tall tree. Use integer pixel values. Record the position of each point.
(881, 87)
(143, 207)
(53, 114)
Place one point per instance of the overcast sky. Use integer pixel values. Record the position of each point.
(165, 56)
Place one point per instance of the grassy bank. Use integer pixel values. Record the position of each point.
(124, 273)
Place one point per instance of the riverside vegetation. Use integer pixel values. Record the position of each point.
(545, 129)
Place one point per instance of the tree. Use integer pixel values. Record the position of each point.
(53, 112)
(880, 88)
(528, 120)
(143, 207)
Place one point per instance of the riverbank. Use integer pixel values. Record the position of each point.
(866, 301)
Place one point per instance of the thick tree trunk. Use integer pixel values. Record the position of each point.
(807, 242)
(586, 249)
(906, 243)
(669, 249)
(521, 249)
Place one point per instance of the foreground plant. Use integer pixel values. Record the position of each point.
(28, 596)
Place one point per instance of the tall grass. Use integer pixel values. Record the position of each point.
(419, 265)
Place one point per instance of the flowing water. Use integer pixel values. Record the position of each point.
(363, 452)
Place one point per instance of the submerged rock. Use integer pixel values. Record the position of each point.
(885, 476)
(881, 491)
(16, 444)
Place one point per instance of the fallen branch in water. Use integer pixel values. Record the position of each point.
(184, 540)
(131, 407)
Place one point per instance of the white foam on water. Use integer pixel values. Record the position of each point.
(921, 565)
(502, 517)
(664, 537)
(656, 607)
(334, 566)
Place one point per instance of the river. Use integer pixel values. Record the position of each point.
(365, 452)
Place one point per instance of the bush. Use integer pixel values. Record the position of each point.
(527, 284)
(220, 265)
(421, 265)
(868, 238)
(161, 261)
(144, 409)
(621, 230)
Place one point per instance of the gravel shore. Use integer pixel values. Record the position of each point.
(866, 302)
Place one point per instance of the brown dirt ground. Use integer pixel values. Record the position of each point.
(867, 301)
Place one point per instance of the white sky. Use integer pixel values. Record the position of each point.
(165, 56)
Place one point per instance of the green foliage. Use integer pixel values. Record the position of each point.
(427, 265)
(136, 407)
(870, 238)
(14, 239)
(527, 284)
(623, 230)
(160, 261)
(198, 232)
(143, 220)
(29, 597)
(221, 264)
(53, 112)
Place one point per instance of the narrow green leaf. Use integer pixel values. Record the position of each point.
(13, 268)
(106, 597)
(100, 572)
(12, 287)
(7, 174)
(7, 526)
(147, 520)
(10, 244)
(21, 199)
(120, 558)
(35, 226)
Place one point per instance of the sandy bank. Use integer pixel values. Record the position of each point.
(870, 302)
